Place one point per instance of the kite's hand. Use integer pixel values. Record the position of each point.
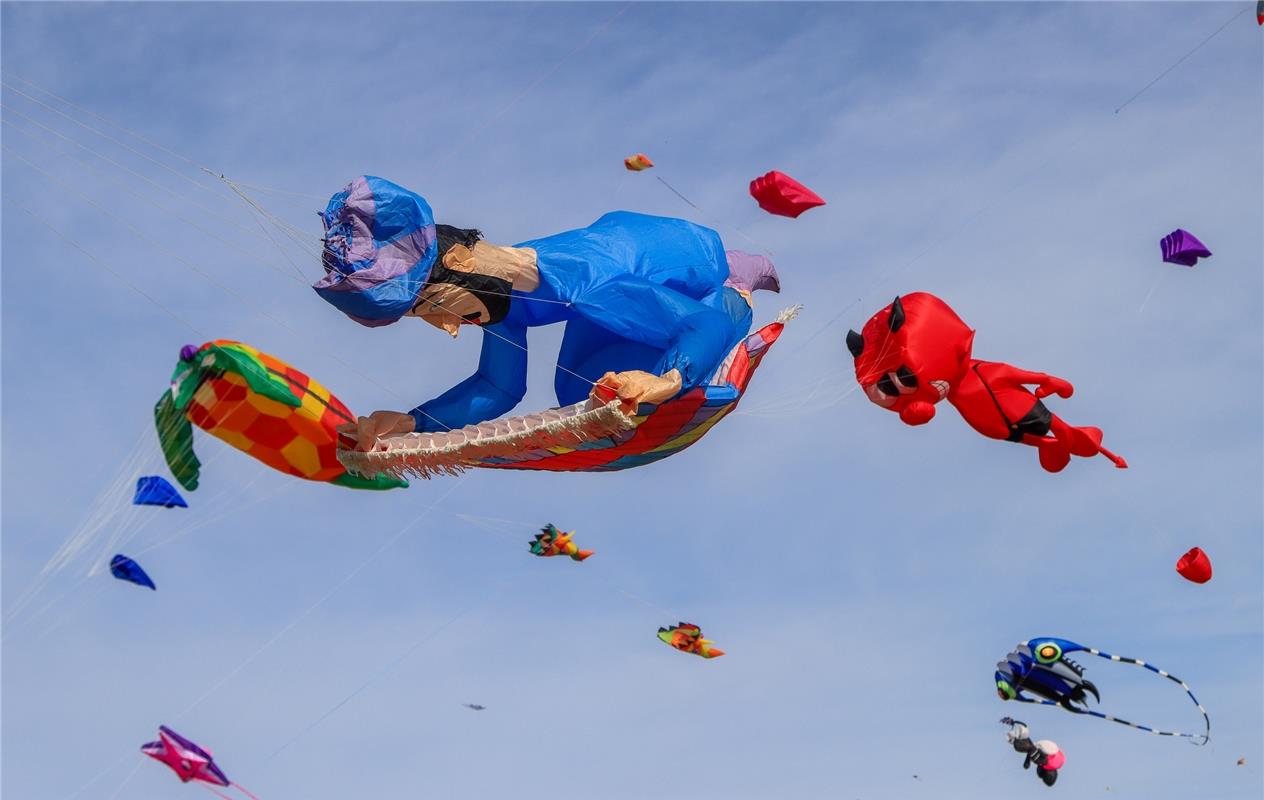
(380, 423)
(635, 387)
(1057, 386)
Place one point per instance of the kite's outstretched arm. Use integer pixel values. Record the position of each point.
(498, 386)
(1046, 384)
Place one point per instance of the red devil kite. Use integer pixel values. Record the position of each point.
(917, 351)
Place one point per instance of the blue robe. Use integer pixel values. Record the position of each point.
(636, 292)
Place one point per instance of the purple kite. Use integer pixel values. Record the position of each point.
(188, 760)
(1182, 247)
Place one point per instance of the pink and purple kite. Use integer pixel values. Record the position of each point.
(188, 760)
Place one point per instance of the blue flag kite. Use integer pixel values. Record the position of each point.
(152, 490)
(126, 569)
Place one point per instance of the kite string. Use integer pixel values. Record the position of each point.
(236, 295)
(243, 790)
(130, 754)
(128, 779)
(242, 665)
(487, 121)
(735, 228)
(336, 587)
(1180, 60)
(102, 157)
(390, 667)
(1153, 285)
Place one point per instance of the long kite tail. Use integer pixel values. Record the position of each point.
(1198, 739)
(1195, 738)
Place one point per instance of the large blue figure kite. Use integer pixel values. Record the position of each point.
(1040, 666)
(652, 305)
(152, 490)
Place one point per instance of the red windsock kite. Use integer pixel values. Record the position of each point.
(1195, 566)
(778, 193)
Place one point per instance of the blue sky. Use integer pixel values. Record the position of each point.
(863, 576)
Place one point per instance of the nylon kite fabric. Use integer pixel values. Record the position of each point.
(259, 405)
(1182, 247)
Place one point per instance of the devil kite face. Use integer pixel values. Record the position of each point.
(1040, 667)
(909, 355)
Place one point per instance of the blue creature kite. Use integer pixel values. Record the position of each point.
(1041, 667)
(652, 305)
(152, 490)
(126, 569)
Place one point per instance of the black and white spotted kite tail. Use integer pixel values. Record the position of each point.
(1195, 738)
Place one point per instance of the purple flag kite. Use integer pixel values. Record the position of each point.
(1182, 247)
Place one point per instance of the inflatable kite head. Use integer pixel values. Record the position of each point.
(259, 405)
(1040, 666)
(380, 245)
(910, 354)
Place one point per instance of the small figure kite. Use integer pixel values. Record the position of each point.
(474, 706)
(153, 490)
(552, 542)
(917, 351)
(1046, 755)
(1195, 566)
(687, 638)
(1259, 17)
(1182, 247)
(778, 193)
(638, 162)
(126, 569)
(1040, 666)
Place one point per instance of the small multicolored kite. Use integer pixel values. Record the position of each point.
(259, 405)
(1182, 247)
(153, 490)
(687, 638)
(552, 542)
(638, 162)
(126, 569)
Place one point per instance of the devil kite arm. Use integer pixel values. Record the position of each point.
(1046, 384)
